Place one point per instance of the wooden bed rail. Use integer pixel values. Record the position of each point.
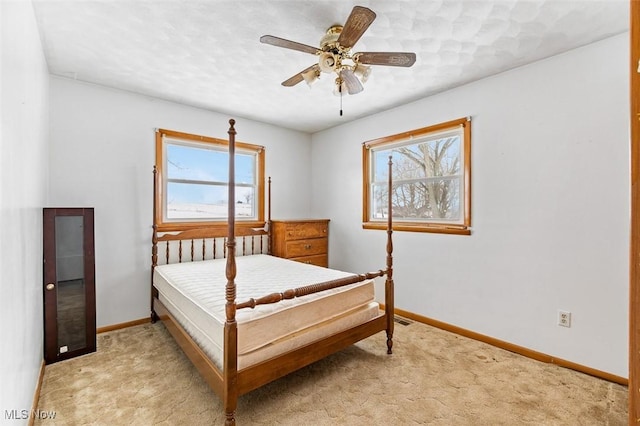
(309, 289)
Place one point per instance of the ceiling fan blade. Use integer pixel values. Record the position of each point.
(292, 81)
(288, 44)
(394, 59)
(351, 81)
(357, 23)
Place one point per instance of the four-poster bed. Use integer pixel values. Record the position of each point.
(272, 316)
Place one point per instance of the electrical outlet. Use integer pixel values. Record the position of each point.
(564, 318)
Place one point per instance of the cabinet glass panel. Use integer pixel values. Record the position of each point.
(70, 282)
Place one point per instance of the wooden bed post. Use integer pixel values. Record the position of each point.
(154, 242)
(230, 362)
(389, 287)
(269, 233)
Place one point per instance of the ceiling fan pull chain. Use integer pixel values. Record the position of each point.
(340, 89)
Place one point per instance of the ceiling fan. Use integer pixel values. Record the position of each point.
(334, 54)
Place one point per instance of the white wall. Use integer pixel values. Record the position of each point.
(23, 170)
(102, 156)
(550, 207)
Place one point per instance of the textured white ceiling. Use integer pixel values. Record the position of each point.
(207, 53)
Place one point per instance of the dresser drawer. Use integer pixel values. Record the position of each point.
(319, 260)
(308, 247)
(302, 230)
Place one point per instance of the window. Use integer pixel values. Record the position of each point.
(431, 189)
(192, 181)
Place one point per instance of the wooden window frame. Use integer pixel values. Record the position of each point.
(463, 228)
(164, 225)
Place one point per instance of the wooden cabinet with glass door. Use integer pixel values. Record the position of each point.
(69, 283)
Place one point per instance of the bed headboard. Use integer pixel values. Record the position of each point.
(205, 243)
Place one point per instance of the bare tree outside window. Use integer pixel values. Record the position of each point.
(434, 195)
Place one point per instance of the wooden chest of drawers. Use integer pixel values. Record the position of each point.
(303, 240)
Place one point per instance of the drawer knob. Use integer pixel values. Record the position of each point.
(307, 246)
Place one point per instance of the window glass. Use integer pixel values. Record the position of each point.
(197, 183)
(195, 179)
(430, 177)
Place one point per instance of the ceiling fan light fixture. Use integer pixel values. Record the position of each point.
(340, 87)
(310, 76)
(327, 62)
(362, 72)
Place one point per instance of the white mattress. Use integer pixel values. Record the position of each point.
(194, 293)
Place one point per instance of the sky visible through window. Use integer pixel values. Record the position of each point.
(197, 182)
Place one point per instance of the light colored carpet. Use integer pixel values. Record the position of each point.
(139, 376)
